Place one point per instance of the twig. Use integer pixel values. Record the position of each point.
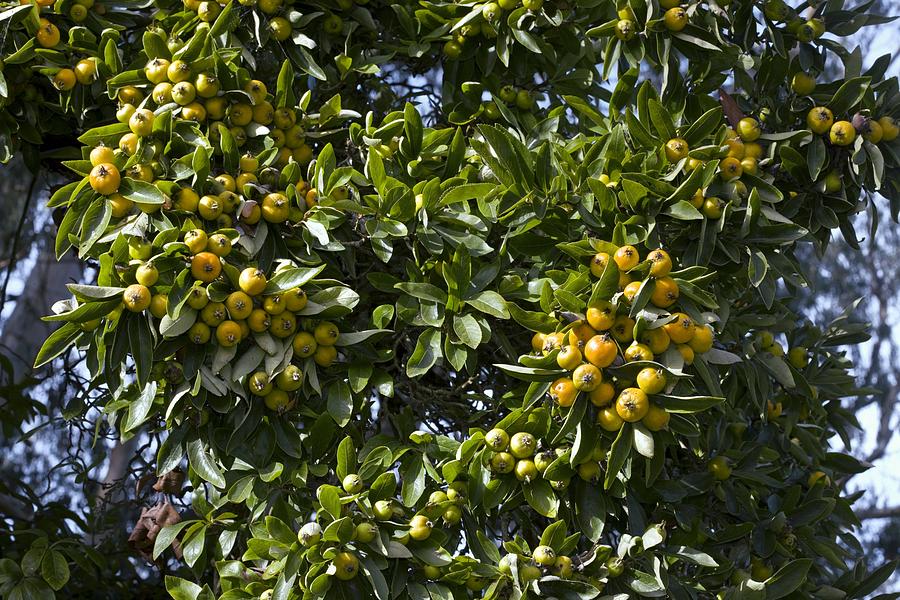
(15, 241)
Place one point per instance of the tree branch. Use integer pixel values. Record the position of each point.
(886, 512)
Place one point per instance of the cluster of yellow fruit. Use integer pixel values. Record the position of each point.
(229, 318)
(485, 24)
(741, 156)
(83, 73)
(202, 99)
(675, 18)
(543, 561)
(222, 206)
(518, 454)
(387, 515)
(821, 121)
(604, 339)
(806, 30)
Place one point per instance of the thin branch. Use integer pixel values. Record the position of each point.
(13, 251)
(887, 512)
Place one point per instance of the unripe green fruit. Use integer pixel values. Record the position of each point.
(544, 555)
(522, 445)
(365, 532)
(310, 534)
(352, 484)
(384, 510)
(497, 440)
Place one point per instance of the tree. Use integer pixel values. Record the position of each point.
(452, 299)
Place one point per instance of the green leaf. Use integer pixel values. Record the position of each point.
(618, 454)
(467, 330)
(607, 286)
(661, 119)
(490, 303)
(534, 321)
(340, 402)
(140, 408)
(412, 474)
(426, 353)
(688, 404)
(541, 498)
(346, 458)
(788, 578)
(412, 128)
(291, 278)
(58, 342)
(55, 569)
(166, 536)
(141, 192)
(423, 291)
(182, 589)
(530, 373)
(874, 580)
(203, 464)
(848, 95)
(330, 499)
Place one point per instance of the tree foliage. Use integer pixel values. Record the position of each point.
(442, 300)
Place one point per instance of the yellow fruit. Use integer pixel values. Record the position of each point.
(136, 297)
(656, 419)
(626, 258)
(702, 340)
(873, 132)
(675, 19)
(601, 350)
(325, 356)
(205, 266)
(47, 34)
(563, 392)
(889, 129)
(601, 317)
(569, 357)
(598, 263)
(623, 329)
(105, 178)
(586, 378)
(676, 149)
(632, 404)
(239, 305)
(803, 84)
(228, 334)
(64, 80)
(326, 333)
(816, 477)
(252, 281)
(842, 133)
(259, 320)
(346, 566)
(680, 330)
(603, 394)
(638, 351)
(655, 339)
(159, 304)
(304, 344)
(730, 168)
(147, 274)
(819, 119)
(749, 130)
(608, 418)
(665, 292)
(660, 263)
(719, 468)
(651, 381)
